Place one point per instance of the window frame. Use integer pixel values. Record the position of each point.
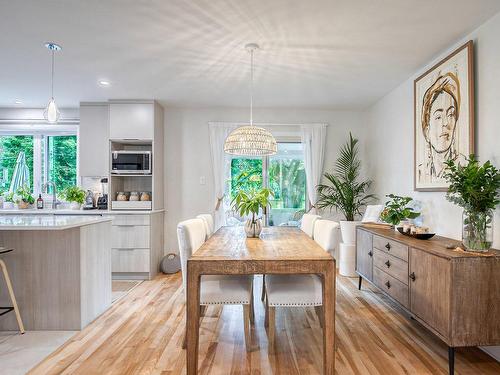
(40, 134)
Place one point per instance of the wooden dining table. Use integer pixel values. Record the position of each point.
(278, 250)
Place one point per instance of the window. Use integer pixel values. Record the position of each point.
(283, 173)
(51, 155)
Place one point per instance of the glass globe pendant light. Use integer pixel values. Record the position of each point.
(51, 113)
(250, 140)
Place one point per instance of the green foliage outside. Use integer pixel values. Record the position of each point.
(61, 156)
(246, 175)
(10, 147)
(62, 161)
(396, 209)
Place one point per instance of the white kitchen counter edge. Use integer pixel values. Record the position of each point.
(60, 223)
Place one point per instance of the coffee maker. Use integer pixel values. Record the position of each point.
(102, 201)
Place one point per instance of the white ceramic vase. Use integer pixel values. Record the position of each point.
(253, 229)
(75, 205)
(348, 230)
(8, 205)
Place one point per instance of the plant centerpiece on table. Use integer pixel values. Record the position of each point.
(397, 209)
(75, 195)
(251, 202)
(344, 190)
(23, 197)
(475, 188)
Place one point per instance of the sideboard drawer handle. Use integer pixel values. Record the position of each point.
(388, 264)
(388, 246)
(370, 253)
(412, 276)
(388, 285)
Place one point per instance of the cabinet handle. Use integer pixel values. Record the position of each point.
(412, 276)
(124, 225)
(388, 285)
(388, 246)
(370, 253)
(388, 264)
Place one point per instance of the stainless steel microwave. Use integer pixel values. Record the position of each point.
(130, 162)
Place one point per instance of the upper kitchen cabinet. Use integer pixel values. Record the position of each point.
(133, 119)
(93, 138)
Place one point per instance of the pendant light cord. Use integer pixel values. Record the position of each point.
(251, 87)
(52, 85)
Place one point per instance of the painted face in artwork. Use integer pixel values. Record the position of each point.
(442, 122)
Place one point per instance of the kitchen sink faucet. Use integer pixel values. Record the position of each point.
(45, 187)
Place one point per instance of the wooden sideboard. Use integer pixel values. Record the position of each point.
(454, 294)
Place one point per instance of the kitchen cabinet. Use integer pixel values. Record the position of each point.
(130, 120)
(93, 143)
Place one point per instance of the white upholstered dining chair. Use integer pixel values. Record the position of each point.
(209, 223)
(299, 290)
(214, 289)
(307, 223)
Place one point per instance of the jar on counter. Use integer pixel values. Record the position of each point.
(145, 196)
(134, 196)
(121, 196)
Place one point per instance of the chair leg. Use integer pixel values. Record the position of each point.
(266, 316)
(12, 296)
(263, 296)
(246, 326)
(272, 328)
(252, 309)
(319, 314)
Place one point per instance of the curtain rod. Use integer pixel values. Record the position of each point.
(66, 121)
(265, 123)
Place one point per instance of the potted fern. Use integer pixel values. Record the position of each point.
(251, 202)
(475, 188)
(344, 191)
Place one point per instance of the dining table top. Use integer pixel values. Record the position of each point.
(274, 243)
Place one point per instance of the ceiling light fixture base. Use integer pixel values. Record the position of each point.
(250, 47)
(51, 46)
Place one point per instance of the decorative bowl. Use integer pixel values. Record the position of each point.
(419, 236)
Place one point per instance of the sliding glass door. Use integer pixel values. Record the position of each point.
(283, 173)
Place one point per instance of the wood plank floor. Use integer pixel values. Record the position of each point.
(142, 334)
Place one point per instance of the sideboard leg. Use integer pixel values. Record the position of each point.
(451, 360)
(360, 280)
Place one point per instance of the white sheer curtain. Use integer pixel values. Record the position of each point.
(218, 133)
(313, 141)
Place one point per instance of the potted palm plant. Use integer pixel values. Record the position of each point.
(251, 202)
(475, 188)
(344, 191)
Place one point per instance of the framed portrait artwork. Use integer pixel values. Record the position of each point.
(444, 118)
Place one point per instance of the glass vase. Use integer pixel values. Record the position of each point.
(477, 230)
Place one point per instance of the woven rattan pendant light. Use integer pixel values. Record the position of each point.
(250, 140)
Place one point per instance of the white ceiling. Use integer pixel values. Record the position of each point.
(317, 54)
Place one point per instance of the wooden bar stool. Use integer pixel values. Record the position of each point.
(14, 307)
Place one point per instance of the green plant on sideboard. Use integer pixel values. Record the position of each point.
(397, 209)
(475, 188)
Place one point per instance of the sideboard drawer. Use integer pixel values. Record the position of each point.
(130, 237)
(391, 265)
(390, 285)
(391, 247)
(130, 260)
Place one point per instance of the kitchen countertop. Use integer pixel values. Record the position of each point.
(49, 211)
(52, 222)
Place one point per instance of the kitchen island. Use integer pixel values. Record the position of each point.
(60, 269)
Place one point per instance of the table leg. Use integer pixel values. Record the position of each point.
(329, 320)
(192, 319)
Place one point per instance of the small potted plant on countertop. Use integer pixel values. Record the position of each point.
(75, 195)
(344, 191)
(475, 188)
(8, 200)
(250, 202)
(23, 197)
(397, 209)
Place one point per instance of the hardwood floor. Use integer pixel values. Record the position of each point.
(142, 334)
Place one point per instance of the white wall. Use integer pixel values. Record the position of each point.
(390, 123)
(188, 154)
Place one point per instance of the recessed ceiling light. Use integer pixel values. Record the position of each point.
(104, 83)
(17, 101)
